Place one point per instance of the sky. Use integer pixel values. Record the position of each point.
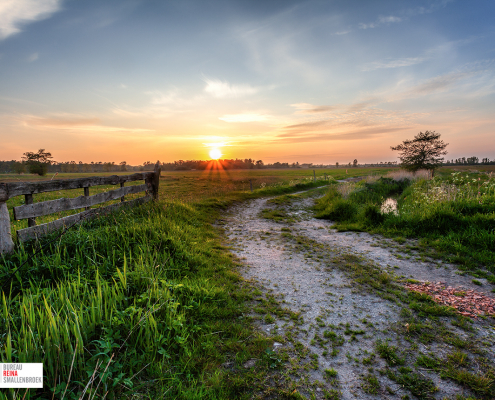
(282, 80)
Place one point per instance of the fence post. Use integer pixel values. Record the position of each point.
(29, 200)
(155, 182)
(251, 185)
(6, 243)
(314, 176)
(122, 199)
(86, 193)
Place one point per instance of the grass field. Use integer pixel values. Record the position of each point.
(144, 302)
(187, 186)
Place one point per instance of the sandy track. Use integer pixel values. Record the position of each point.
(327, 299)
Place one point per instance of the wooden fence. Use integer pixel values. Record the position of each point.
(32, 210)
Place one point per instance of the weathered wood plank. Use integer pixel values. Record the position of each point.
(6, 243)
(4, 196)
(40, 230)
(18, 188)
(65, 204)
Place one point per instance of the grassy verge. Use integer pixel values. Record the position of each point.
(454, 215)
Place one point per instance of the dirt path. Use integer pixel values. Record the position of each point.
(331, 345)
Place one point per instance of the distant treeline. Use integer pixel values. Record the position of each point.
(470, 161)
(19, 167)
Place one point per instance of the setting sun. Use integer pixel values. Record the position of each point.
(215, 154)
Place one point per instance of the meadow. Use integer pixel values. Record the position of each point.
(452, 214)
(187, 186)
(144, 302)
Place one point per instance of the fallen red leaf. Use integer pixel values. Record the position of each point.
(467, 302)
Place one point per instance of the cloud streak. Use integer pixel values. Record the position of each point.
(16, 13)
(437, 84)
(77, 124)
(306, 108)
(382, 20)
(400, 62)
(350, 135)
(223, 89)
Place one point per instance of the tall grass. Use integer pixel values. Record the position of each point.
(454, 213)
(144, 302)
(140, 302)
(400, 175)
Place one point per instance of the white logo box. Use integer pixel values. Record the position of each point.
(21, 375)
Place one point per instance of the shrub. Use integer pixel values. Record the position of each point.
(340, 210)
(372, 214)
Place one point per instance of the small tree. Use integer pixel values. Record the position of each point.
(337, 164)
(355, 163)
(38, 162)
(423, 152)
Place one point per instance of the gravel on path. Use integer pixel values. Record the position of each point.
(329, 304)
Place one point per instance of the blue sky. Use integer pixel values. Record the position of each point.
(307, 81)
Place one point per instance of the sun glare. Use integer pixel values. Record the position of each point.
(215, 154)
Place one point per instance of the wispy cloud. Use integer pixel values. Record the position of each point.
(162, 104)
(397, 63)
(76, 124)
(33, 57)
(159, 98)
(355, 121)
(330, 136)
(434, 6)
(216, 145)
(16, 13)
(340, 33)
(382, 20)
(244, 117)
(404, 15)
(306, 108)
(223, 89)
(360, 106)
(60, 122)
(440, 83)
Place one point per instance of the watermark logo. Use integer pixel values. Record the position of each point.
(21, 375)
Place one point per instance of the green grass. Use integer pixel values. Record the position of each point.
(148, 292)
(370, 385)
(144, 301)
(152, 293)
(453, 215)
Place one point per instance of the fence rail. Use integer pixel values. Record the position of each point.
(32, 210)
